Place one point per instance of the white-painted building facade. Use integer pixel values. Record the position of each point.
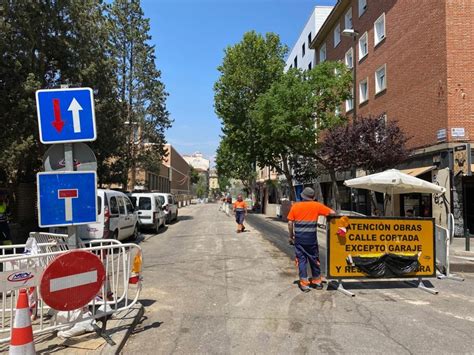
(301, 56)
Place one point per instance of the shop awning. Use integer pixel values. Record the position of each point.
(418, 171)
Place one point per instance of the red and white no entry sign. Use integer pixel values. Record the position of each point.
(72, 280)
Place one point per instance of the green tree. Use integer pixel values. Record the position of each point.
(290, 116)
(141, 93)
(45, 44)
(247, 71)
(201, 187)
(194, 175)
(232, 163)
(224, 183)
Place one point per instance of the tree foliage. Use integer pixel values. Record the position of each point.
(194, 175)
(231, 163)
(369, 143)
(294, 111)
(45, 44)
(140, 90)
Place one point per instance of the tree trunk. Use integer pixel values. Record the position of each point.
(289, 179)
(335, 191)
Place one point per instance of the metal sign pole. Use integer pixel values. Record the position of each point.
(73, 241)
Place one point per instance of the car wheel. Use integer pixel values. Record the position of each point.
(135, 233)
(115, 235)
(176, 216)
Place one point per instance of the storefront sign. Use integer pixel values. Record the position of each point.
(381, 247)
(457, 132)
(441, 135)
(462, 160)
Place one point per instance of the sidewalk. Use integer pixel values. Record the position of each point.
(118, 330)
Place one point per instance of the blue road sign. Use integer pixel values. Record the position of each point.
(67, 198)
(66, 115)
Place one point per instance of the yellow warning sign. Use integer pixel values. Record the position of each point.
(361, 247)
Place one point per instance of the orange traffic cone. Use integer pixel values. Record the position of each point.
(21, 341)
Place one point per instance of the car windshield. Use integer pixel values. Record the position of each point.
(162, 199)
(144, 203)
(134, 200)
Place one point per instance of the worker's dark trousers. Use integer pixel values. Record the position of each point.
(307, 254)
(240, 217)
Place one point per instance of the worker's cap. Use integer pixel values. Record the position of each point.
(307, 194)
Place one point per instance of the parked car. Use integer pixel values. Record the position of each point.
(116, 218)
(149, 209)
(170, 206)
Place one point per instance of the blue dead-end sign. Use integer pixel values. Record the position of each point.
(67, 198)
(66, 115)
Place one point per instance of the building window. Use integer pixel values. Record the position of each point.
(310, 66)
(348, 19)
(350, 58)
(379, 29)
(363, 91)
(337, 35)
(303, 49)
(295, 62)
(380, 79)
(322, 53)
(350, 102)
(363, 46)
(309, 40)
(362, 7)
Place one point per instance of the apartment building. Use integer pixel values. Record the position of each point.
(301, 55)
(412, 62)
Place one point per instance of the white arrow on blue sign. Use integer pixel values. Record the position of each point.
(67, 198)
(66, 115)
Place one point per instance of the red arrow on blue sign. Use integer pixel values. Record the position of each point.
(58, 123)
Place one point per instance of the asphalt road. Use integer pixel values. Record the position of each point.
(208, 289)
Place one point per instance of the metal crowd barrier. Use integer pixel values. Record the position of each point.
(443, 242)
(116, 295)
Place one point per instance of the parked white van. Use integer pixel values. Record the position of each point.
(170, 206)
(149, 209)
(116, 218)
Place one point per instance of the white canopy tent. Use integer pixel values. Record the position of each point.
(394, 182)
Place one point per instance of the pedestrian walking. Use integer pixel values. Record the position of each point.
(240, 210)
(4, 227)
(302, 226)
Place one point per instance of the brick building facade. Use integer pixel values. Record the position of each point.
(179, 171)
(413, 63)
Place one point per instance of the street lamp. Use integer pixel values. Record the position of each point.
(349, 32)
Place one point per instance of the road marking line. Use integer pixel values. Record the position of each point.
(62, 283)
(469, 319)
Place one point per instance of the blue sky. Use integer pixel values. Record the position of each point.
(190, 37)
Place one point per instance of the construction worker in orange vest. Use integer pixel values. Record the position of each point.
(302, 225)
(240, 210)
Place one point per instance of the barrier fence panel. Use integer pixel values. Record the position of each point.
(443, 242)
(20, 270)
(380, 248)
